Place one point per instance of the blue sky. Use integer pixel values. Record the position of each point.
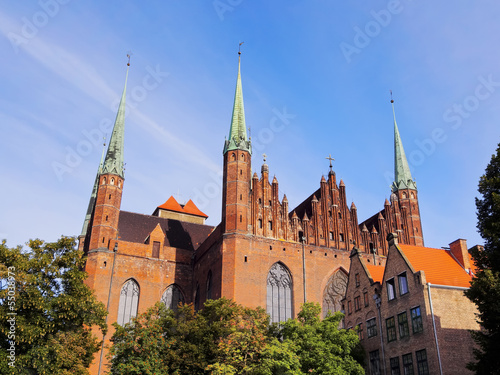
(316, 78)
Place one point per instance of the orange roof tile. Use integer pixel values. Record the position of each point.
(376, 272)
(171, 205)
(190, 208)
(439, 267)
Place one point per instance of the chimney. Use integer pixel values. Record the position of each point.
(459, 250)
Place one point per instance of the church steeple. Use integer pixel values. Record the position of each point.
(402, 174)
(238, 139)
(113, 163)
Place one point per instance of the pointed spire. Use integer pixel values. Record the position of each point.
(386, 203)
(93, 196)
(380, 216)
(402, 174)
(114, 157)
(285, 199)
(323, 179)
(364, 229)
(353, 206)
(238, 139)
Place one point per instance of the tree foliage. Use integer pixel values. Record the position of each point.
(485, 288)
(227, 338)
(46, 310)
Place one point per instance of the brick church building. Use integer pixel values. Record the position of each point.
(262, 253)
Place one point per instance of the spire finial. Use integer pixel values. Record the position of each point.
(392, 101)
(239, 48)
(129, 53)
(330, 158)
(265, 157)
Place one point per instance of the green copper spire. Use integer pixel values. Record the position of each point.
(114, 157)
(93, 196)
(402, 174)
(238, 139)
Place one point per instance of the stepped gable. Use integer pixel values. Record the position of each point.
(134, 227)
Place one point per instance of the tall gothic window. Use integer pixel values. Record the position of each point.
(279, 293)
(172, 296)
(209, 285)
(334, 292)
(129, 300)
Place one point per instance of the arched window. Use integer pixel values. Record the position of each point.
(209, 285)
(129, 300)
(104, 180)
(112, 181)
(172, 296)
(279, 293)
(334, 292)
(233, 156)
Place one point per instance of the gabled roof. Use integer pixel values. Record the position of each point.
(376, 272)
(439, 266)
(189, 208)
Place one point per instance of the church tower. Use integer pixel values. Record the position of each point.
(237, 168)
(404, 188)
(104, 221)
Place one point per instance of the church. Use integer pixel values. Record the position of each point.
(262, 253)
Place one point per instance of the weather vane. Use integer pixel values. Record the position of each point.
(129, 53)
(392, 101)
(239, 48)
(265, 157)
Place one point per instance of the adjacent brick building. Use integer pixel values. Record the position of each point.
(410, 310)
(261, 254)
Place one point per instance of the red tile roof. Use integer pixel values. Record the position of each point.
(189, 208)
(439, 266)
(376, 272)
(171, 205)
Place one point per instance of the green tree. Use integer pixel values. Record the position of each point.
(485, 287)
(322, 347)
(223, 338)
(46, 310)
(227, 338)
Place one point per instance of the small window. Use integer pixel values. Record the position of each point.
(104, 180)
(403, 283)
(260, 223)
(390, 290)
(260, 201)
(340, 215)
(106, 217)
(403, 325)
(361, 334)
(241, 172)
(112, 181)
(395, 366)
(422, 366)
(103, 240)
(241, 218)
(416, 320)
(366, 299)
(349, 307)
(371, 247)
(331, 236)
(356, 277)
(330, 213)
(241, 197)
(270, 225)
(408, 364)
(371, 327)
(109, 197)
(391, 329)
(341, 237)
(270, 203)
(156, 249)
(357, 303)
(374, 363)
(233, 156)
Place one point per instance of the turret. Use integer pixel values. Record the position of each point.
(237, 167)
(110, 184)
